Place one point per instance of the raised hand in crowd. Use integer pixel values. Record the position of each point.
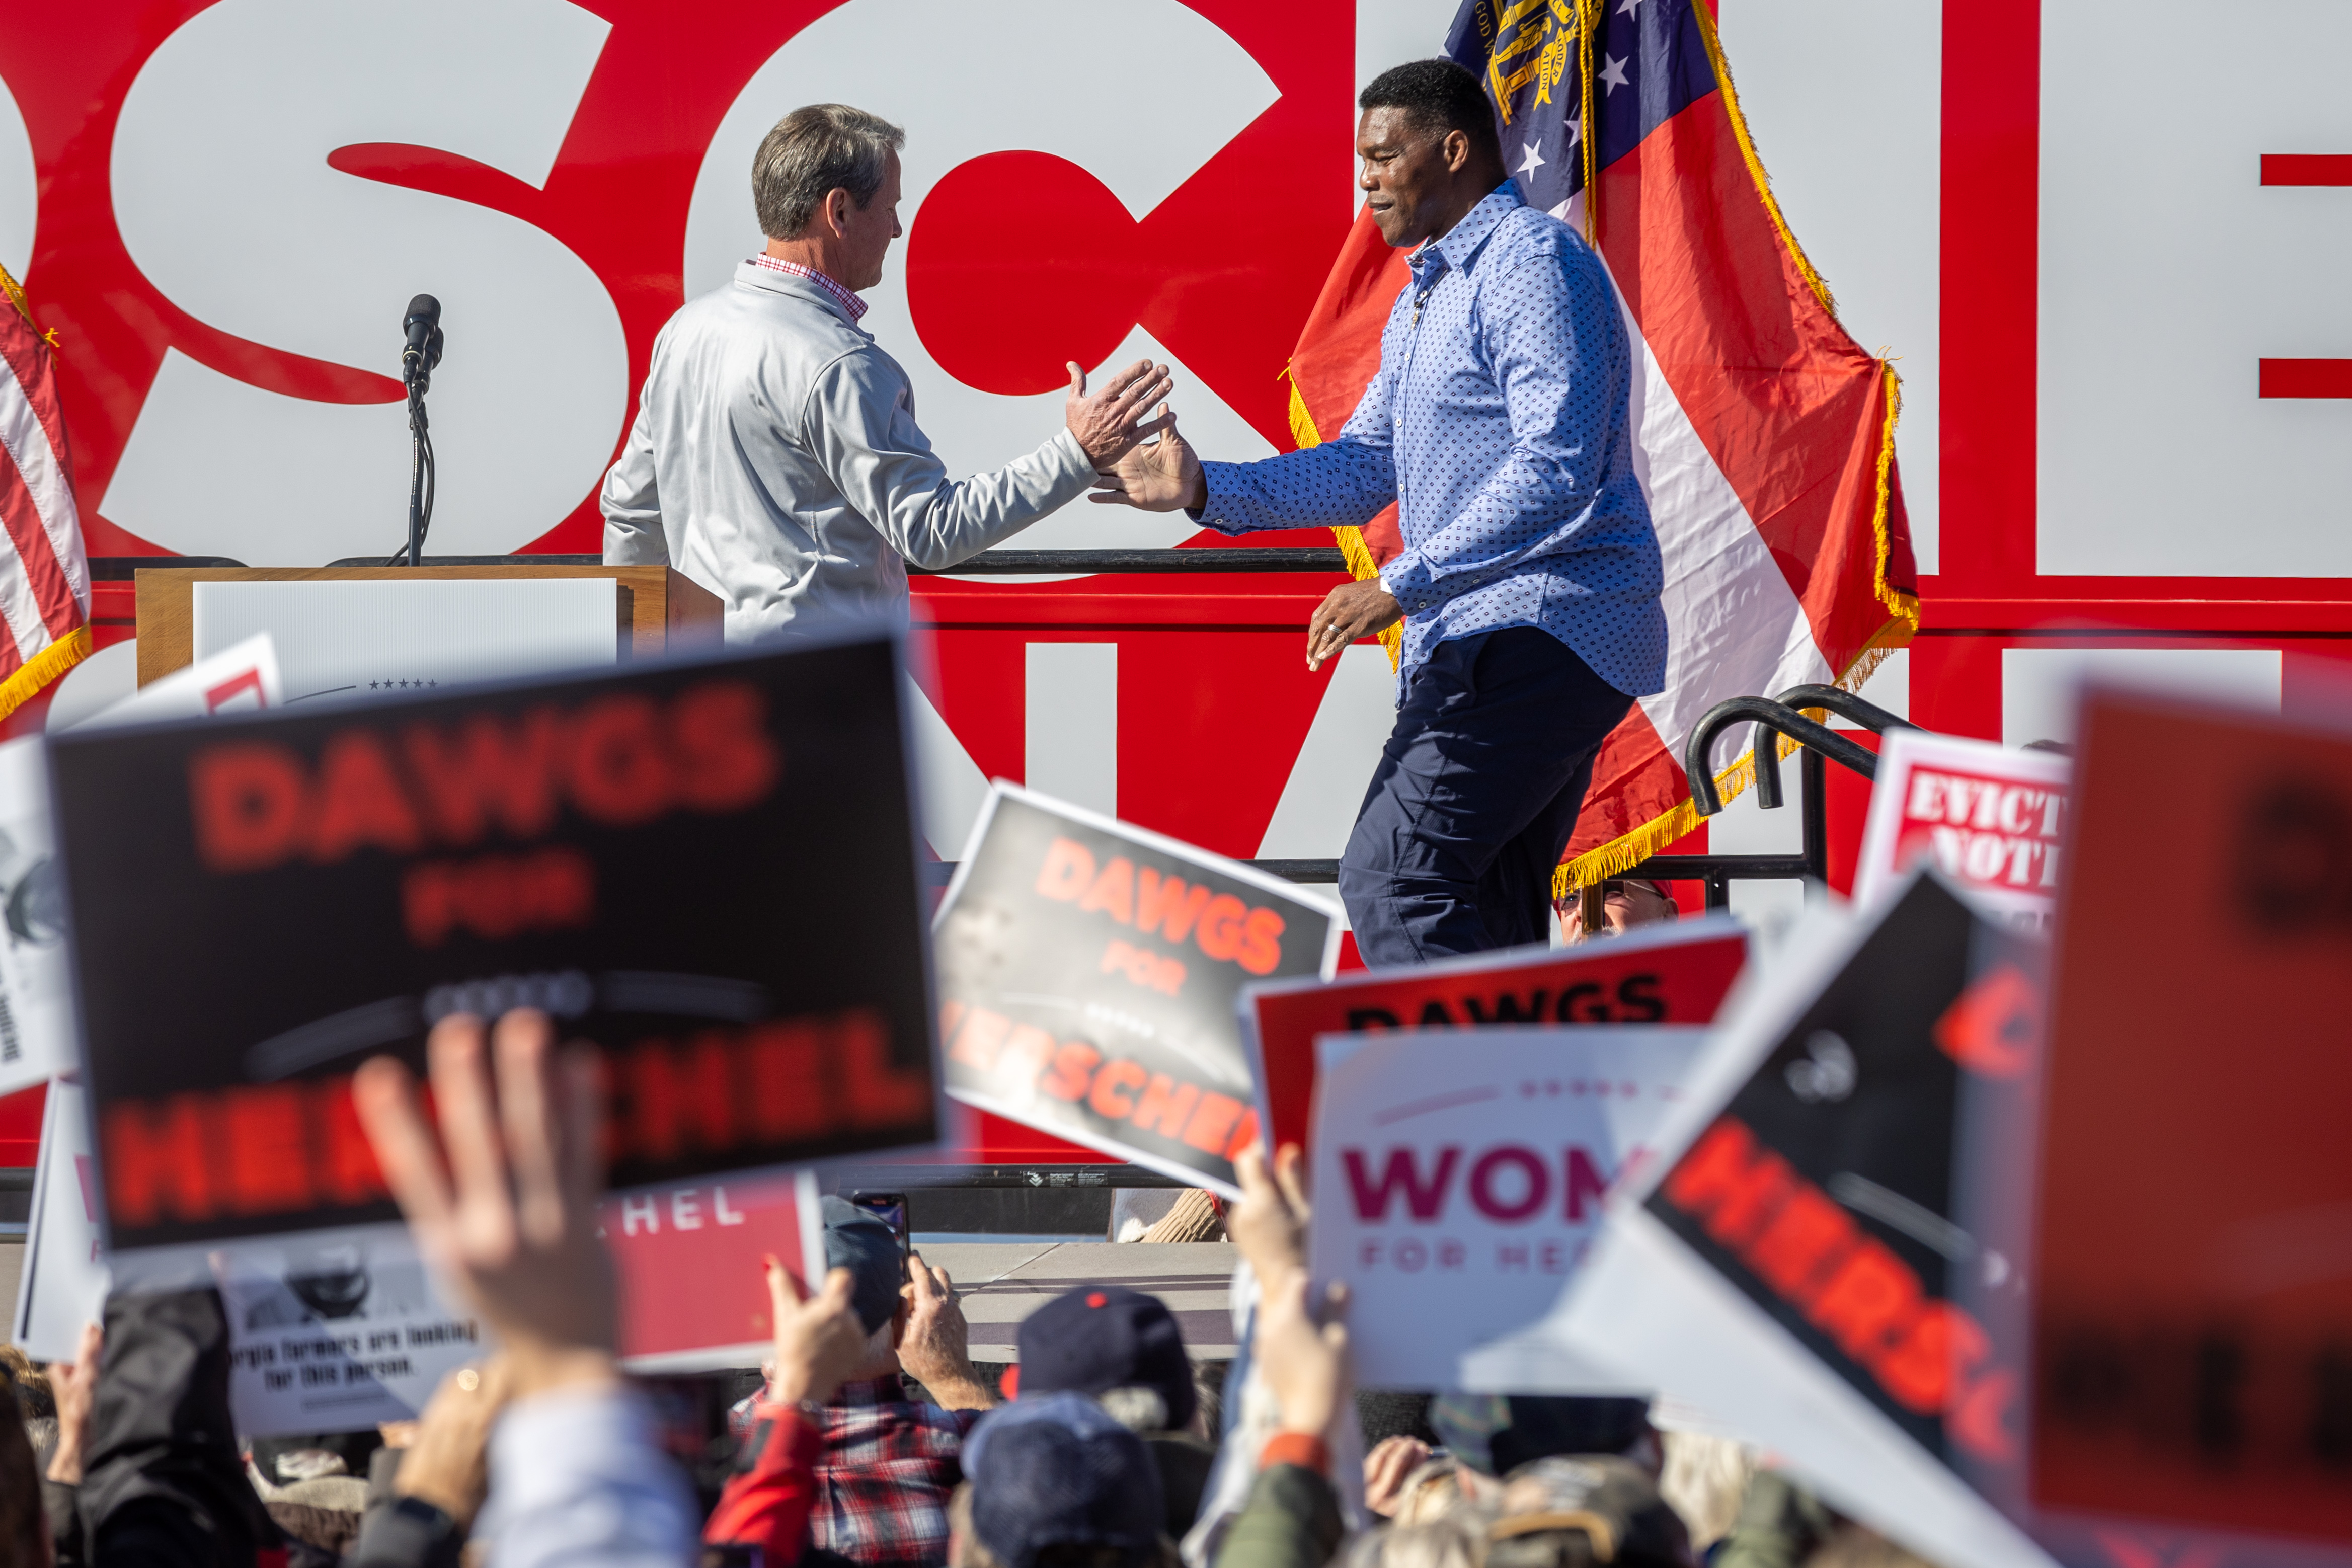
(1303, 1355)
(1108, 423)
(74, 1385)
(577, 1474)
(1386, 1467)
(1156, 476)
(513, 1222)
(819, 1341)
(936, 1350)
(1269, 1224)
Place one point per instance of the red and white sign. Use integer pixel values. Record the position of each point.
(1658, 974)
(1458, 1180)
(1990, 818)
(692, 1262)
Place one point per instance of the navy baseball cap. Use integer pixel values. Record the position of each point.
(1058, 1471)
(1101, 1337)
(857, 1240)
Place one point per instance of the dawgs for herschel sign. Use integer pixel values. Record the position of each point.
(706, 868)
(1088, 973)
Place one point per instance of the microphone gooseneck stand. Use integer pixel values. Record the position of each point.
(418, 360)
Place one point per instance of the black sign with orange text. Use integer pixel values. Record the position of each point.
(1088, 975)
(1840, 1188)
(708, 868)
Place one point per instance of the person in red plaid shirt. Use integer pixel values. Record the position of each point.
(887, 1463)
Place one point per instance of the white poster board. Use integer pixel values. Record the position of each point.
(367, 640)
(337, 1331)
(36, 1019)
(64, 1281)
(1990, 818)
(1458, 1177)
(240, 678)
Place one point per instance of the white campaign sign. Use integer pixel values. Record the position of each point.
(1458, 1179)
(240, 678)
(334, 1331)
(64, 1281)
(1988, 817)
(36, 1019)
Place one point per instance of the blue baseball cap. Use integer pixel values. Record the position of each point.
(1056, 1470)
(1101, 1337)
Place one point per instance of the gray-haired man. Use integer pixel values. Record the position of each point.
(776, 460)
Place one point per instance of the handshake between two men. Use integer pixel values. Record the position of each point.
(1147, 464)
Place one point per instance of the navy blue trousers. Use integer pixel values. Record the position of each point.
(1475, 795)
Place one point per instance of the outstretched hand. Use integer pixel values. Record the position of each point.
(1157, 475)
(1110, 422)
(512, 1221)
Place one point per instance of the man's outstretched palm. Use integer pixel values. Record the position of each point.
(1156, 476)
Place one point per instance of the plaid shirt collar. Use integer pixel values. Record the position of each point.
(841, 296)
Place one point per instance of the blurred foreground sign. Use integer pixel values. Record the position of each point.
(1675, 973)
(1823, 1255)
(2193, 1317)
(694, 1293)
(708, 868)
(1990, 818)
(1089, 977)
(1458, 1179)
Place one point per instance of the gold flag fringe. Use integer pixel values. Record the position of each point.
(43, 668)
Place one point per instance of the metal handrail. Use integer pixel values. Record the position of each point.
(1846, 706)
(1771, 716)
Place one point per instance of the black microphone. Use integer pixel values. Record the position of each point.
(423, 325)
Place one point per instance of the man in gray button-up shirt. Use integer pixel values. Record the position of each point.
(775, 458)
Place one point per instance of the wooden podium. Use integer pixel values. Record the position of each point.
(660, 608)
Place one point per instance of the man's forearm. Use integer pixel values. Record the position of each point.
(1340, 484)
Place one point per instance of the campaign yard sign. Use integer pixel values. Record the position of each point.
(1458, 1181)
(1808, 1259)
(62, 1282)
(708, 868)
(35, 986)
(716, 1236)
(1089, 977)
(2193, 1320)
(1990, 818)
(1677, 974)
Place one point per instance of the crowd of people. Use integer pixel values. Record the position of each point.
(873, 1439)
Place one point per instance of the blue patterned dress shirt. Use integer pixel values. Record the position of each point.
(1500, 422)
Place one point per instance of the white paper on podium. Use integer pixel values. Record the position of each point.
(36, 1018)
(242, 678)
(64, 1281)
(362, 640)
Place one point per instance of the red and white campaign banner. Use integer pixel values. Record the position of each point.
(1990, 818)
(692, 1262)
(1676, 973)
(1458, 1181)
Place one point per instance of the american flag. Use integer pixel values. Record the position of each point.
(43, 576)
(1765, 433)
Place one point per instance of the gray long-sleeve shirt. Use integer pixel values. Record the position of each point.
(776, 460)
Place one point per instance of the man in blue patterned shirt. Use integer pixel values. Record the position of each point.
(1529, 578)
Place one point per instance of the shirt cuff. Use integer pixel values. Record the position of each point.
(1407, 580)
(1073, 457)
(1304, 1449)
